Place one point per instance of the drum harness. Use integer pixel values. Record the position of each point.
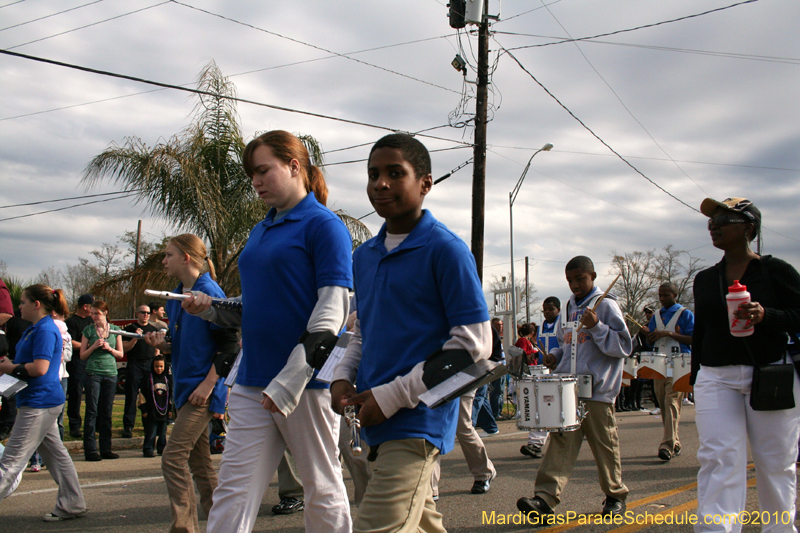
(668, 345)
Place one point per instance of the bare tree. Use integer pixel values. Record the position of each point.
(636, 283)
(79, 279)
(678, 267)
(50, 276)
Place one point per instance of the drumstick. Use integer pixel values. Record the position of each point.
(216, 302)
(541, 346)
(629, 317)
(597, 303)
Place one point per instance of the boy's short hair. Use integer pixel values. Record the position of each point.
(159, 358)
(413, 151)
(555, 302)
(154, 306)
(580, 262)
(670, 286)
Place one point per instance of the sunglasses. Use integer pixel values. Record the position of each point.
(723, 220)
(144, 312)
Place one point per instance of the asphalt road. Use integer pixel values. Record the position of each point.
(128, 494)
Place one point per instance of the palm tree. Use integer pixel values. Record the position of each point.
(196, 181)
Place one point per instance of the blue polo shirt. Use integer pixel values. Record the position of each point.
(193, 348)
(281, 267)
(685, 325)
(41, 341)
(408, 300)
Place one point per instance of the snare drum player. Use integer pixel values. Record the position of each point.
(600, 346)
(421, 314)
(670, 331)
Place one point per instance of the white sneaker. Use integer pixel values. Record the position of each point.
(656, 411)
(483, 434)
(687, 401)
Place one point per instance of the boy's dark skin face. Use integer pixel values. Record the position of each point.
(666, 297)
(395, 191)
(581, 284)
(550, 312)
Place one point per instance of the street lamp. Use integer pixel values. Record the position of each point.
(512, 196)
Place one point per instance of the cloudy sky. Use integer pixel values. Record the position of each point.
(705, 106)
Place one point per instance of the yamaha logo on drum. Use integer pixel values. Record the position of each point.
(526, 403)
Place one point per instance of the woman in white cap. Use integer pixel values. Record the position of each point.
(722, 374)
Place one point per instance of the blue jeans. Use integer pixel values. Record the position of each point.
(482, 416)
(99, 403)
(496, 396)
(153, 429)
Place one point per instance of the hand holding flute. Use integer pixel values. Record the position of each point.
(355, 428)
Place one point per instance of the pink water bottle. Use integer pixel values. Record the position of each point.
(737, 294)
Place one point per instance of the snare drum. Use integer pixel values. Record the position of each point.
(629, 365)
(538, 370)
(681, 372)
(549, 403)
(652, 365)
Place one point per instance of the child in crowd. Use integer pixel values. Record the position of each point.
(598, 349)
(421, 310)
(155, 389)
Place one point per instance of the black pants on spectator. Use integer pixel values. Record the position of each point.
(136, 370)
(77, 381)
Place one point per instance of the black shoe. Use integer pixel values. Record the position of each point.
(664, 454)
(127, 433)
(531, 451)
(534, 506)
(5, 433)
(76, 434)
(482, 486)
(613, 506)
(289, 506)
(109, 455)
(677, 451)
(93, 457)
(149, 453)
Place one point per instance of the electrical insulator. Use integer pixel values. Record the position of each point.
(457, 10)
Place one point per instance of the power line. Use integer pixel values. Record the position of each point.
(72, 198)
(757, 167)
(313, 46)
(730, 55)
(89, 25)
(124, 195)
(636, 28)
(624, 106)
(48, 16)
(364, 160)
(12, 3)
(587, 128)
(214, 95)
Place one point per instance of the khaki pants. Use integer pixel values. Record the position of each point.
(600, 429)
(188, 456)
(474, 450)
(399, 497)
(670, 403)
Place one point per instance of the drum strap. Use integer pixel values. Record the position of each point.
(665, 344)
(573, 325)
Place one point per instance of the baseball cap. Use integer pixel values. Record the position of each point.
(85, 299)
(736, 205)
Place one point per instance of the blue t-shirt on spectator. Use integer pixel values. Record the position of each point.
(41, 341)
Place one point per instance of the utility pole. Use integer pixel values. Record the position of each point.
(136, 263)
(527, 294)
(479, 153)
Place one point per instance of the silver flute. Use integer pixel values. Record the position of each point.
(355, 428)
(216, 302)
(123, 333)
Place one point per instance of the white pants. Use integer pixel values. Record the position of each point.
(725, 422)
(537, 438)
(37, 428)
(255, 442)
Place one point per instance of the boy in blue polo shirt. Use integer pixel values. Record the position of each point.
(420, 309)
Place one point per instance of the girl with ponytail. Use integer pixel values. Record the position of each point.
(37, 362)
(199, 394)
(296, 274)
